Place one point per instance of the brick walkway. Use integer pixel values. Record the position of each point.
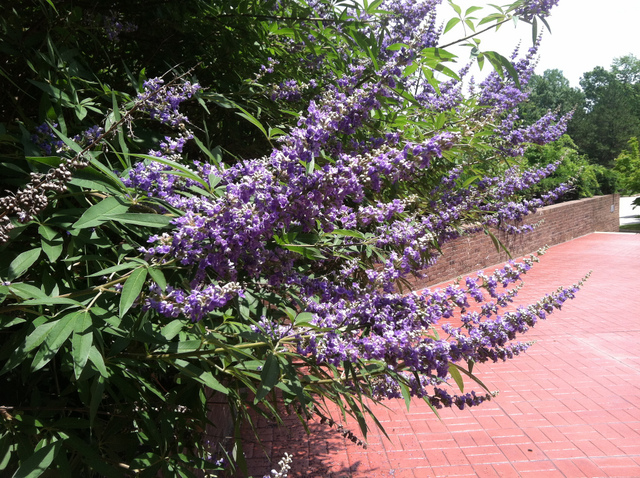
(569, 407)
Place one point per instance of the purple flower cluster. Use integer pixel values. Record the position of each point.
(411, 22)
(163, 103)
(545, 130)
(114, 26)
(45, 139)
(302, 221)
(503, 95)
(535, 8)
(290, 90)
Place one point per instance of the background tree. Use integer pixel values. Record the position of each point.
(611, 113)
(628, 165)
(551, 91)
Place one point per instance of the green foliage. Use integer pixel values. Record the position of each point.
(551, 92)
(606, 109)
(628, 165)
(587, 179)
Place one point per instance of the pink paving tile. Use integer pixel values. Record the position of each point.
(542, 474)
(505, 470)
(454, 471)
(569, 469)
(531, 466)
(515, 453)
(578, 421)
(589, 468)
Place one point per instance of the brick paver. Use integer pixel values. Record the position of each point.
(569, 407)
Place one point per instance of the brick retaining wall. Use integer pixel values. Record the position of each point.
(561, 222)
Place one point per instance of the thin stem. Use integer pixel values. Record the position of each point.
(476, 33)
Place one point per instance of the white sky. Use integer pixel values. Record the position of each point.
(585, 34)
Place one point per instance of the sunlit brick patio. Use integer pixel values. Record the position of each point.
(569, 407)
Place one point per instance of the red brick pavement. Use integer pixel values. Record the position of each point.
(569, 407)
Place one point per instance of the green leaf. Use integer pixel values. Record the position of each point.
(252, 119)
(58, 334)
(36, 337)
(470, 10)
(96, 359)
(269, 376)
(346, 232)
(406, 394)
(81, 341)
(303, 318)
(69, 142)
(51, 301)
(472, 376)
(116, 268)
(158, 277)
(39, 462)
(21, 264)
(455, 374)
(53, 246)
(141, 219)
(172, 329)
(46, 232)
(202, 376)
(472, 179)
(451, 23)
(97, 214)
(131, 289)
(116, 114)
(497, 243)
(398, 46)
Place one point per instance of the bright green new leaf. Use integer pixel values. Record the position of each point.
(451, 23)
(303, 318)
